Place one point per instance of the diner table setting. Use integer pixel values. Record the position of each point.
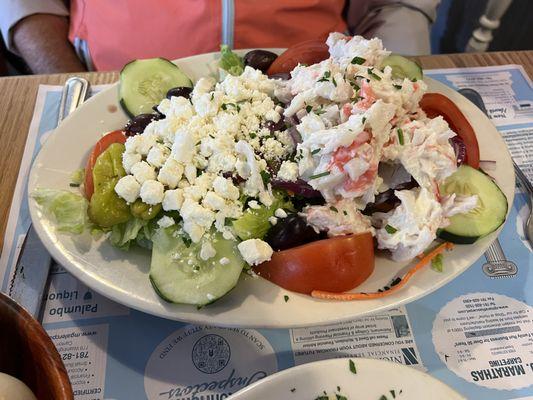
(86, 314)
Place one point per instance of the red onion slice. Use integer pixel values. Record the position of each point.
(295, 135)
(459, 148)
(299, 187)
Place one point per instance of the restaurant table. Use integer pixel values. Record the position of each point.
(17, 97)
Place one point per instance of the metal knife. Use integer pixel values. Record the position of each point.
(30, 277)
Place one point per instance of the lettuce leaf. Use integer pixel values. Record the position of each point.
(144, 238)
(254, 223)
(230, 62)
(124, 234)
(67, 210)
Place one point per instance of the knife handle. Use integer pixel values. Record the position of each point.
(73, 95)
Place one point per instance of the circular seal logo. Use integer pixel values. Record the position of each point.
(485, 338)
(211, 353)
(240, 357)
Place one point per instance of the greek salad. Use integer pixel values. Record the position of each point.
(293, 168)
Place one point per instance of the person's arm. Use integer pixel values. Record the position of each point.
(403, 26)
(42, 41)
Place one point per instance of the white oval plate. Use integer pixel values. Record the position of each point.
(123, 276)
(373, 379)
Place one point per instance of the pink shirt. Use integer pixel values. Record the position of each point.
(118, 31)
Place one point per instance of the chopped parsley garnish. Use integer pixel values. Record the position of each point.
(395, 281)
(392, 393)
(212, 95)
(253, 135)
(186, 240)
(334, 209)
(74, 184)
(358, 60)
(322, 398)
(414, 80)
(225, 106)
(325, 77)
(437, 263)
(397, 86)
(353, 370)
(293, 390)
(266, 177)
(341, 397)
(390, 229)
(315, 151)
(286, 298)
(373, 75)
(345, 212)
(400, 136)
(296, 156)
(325, 173)
(334, 82)
(355, 86)
(308, 109)
(320, 110)
(338, 388)
(363, 120)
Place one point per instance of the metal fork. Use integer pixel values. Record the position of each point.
(526, 184)
(30, 277)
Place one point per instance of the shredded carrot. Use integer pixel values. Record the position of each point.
(426, 259)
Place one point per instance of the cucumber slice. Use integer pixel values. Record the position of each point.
(489, 213)
(179, 275)
(144, 83)
(403, 67)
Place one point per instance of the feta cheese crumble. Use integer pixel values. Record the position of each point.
(179, 160)
(207, 251)
(165, 222)
(128, 188)
(255, 251)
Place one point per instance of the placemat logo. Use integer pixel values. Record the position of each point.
(207, 363)
(486, 338)
(211, 353)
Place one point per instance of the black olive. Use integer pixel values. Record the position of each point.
(183, 91)
(137, 124)
(159, 113)
(290, 232)
(275, 126)
(234, 177)
(259, 59)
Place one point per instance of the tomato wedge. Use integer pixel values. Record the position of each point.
(308, 52)
(435, 104)
(334, 265)
(99, 148)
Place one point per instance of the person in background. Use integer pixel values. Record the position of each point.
(52, 36)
